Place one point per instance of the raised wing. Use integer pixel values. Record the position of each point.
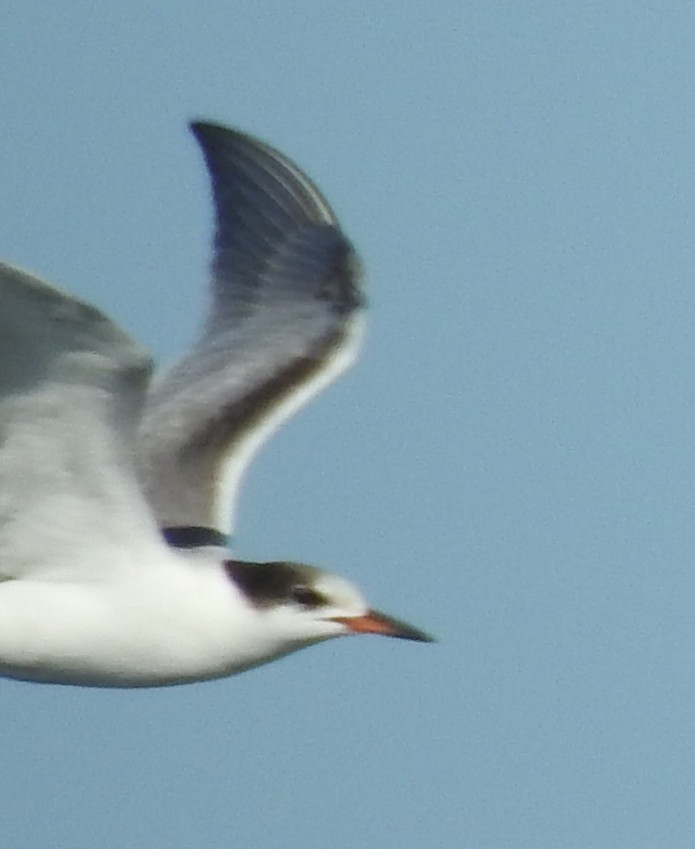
(71, 390)
(282, 325)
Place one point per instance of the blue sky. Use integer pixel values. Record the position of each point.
(510, 464)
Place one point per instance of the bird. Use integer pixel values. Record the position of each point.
(118, 483)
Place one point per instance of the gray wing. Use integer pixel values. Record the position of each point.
(283, 322)
(71, 389)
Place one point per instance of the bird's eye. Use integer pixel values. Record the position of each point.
(307, 597)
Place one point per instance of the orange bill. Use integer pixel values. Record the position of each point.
(375, 622)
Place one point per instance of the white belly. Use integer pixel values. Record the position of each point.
(147, 632)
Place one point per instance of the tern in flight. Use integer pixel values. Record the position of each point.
(117, 490)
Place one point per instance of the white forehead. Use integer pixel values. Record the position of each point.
(340, 592)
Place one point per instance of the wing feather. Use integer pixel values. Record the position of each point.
(283, 322)
(72, 386)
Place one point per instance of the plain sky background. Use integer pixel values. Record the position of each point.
(510, 465)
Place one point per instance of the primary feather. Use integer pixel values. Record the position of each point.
(282, 323)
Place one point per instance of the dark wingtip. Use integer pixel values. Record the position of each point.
(207, 130)
(232, 155)
(211, 135)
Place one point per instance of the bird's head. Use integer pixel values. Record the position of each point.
(303, 604)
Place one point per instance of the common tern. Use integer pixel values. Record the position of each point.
(117, 488)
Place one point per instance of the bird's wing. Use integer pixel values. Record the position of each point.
(283, 323)
(71, 390)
